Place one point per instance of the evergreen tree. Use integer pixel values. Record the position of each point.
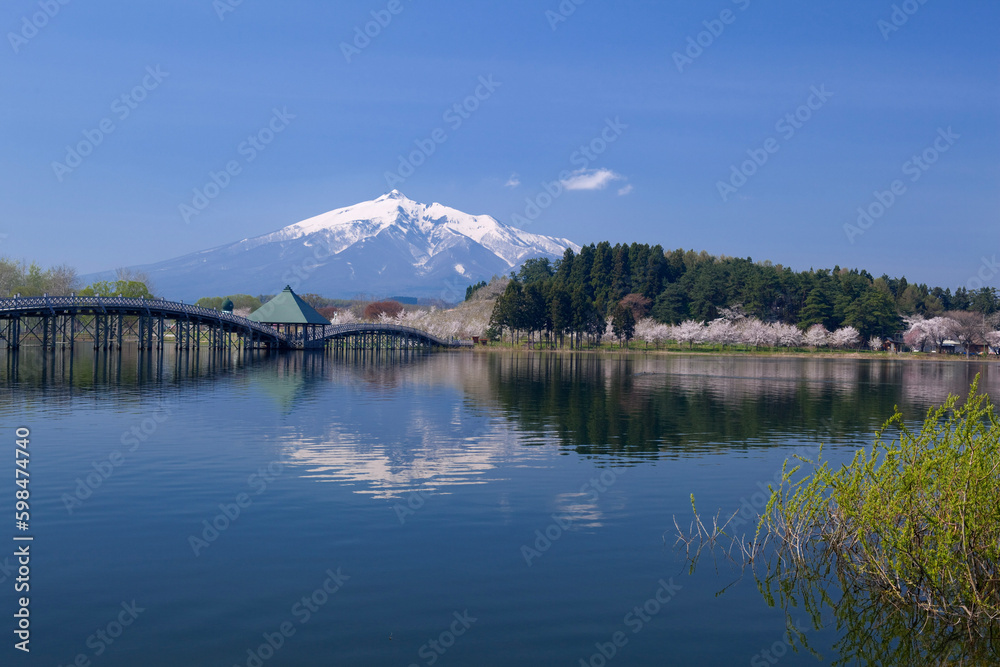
(623, 323)
(580, 273)
(561, 311)
(472, 289)
(535, 270)
(600, 273)
(534, 315)
(873, 314)
(621, 273)
(671, 306)
(507, 311)
(564, 269)
(653, 274)
(819, 307)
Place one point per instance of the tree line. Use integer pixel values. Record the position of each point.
(579, 294)
(19, 277)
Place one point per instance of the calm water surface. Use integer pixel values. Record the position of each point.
(463, 508)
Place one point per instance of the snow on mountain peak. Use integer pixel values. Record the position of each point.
(427, 230)
(395, 194)
(390, 245)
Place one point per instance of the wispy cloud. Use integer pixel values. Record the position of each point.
(590, 179)
(513, 181)
(626, 190)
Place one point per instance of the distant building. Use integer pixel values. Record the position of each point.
(956, 347)
(289, 314)
(227, 305)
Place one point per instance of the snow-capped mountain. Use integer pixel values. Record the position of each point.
(386, 247)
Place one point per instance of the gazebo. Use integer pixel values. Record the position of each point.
(289, 314)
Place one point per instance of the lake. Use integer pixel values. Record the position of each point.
(450, 508)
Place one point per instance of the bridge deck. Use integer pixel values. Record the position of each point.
(46, 307)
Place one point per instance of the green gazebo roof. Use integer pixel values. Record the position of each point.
(287, 308)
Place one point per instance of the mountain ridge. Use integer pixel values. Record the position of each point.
(389, 245)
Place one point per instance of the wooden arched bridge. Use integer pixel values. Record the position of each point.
(109, 322)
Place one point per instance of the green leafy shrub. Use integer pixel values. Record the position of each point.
(917, 517)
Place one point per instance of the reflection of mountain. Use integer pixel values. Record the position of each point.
(430, 460)
(452, 418)
(428, 421)
(396, 425)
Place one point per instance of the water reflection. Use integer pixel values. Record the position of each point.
(85, 368)
(428, 421)
(874, 628)
(508, 437)
(669, 406)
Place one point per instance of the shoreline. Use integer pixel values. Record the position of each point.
(894, 356)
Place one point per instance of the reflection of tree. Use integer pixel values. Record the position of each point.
(874, 628)
(662, 406)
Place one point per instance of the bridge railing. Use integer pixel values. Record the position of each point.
(333, 330)
(54, 304)
(158, 306)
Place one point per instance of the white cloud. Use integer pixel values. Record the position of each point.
(626, 190)
(590, 179)
(513, 181)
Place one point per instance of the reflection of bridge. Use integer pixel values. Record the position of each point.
(50, 321)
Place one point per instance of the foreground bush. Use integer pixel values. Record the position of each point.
(916, 518)
(902, 544)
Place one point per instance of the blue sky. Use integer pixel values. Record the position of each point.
(183, 85)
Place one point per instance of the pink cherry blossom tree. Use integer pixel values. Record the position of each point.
(845, 337)
(817, 336)
(722, 332)
(786, 335)
(689, 332)
(756, 333)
